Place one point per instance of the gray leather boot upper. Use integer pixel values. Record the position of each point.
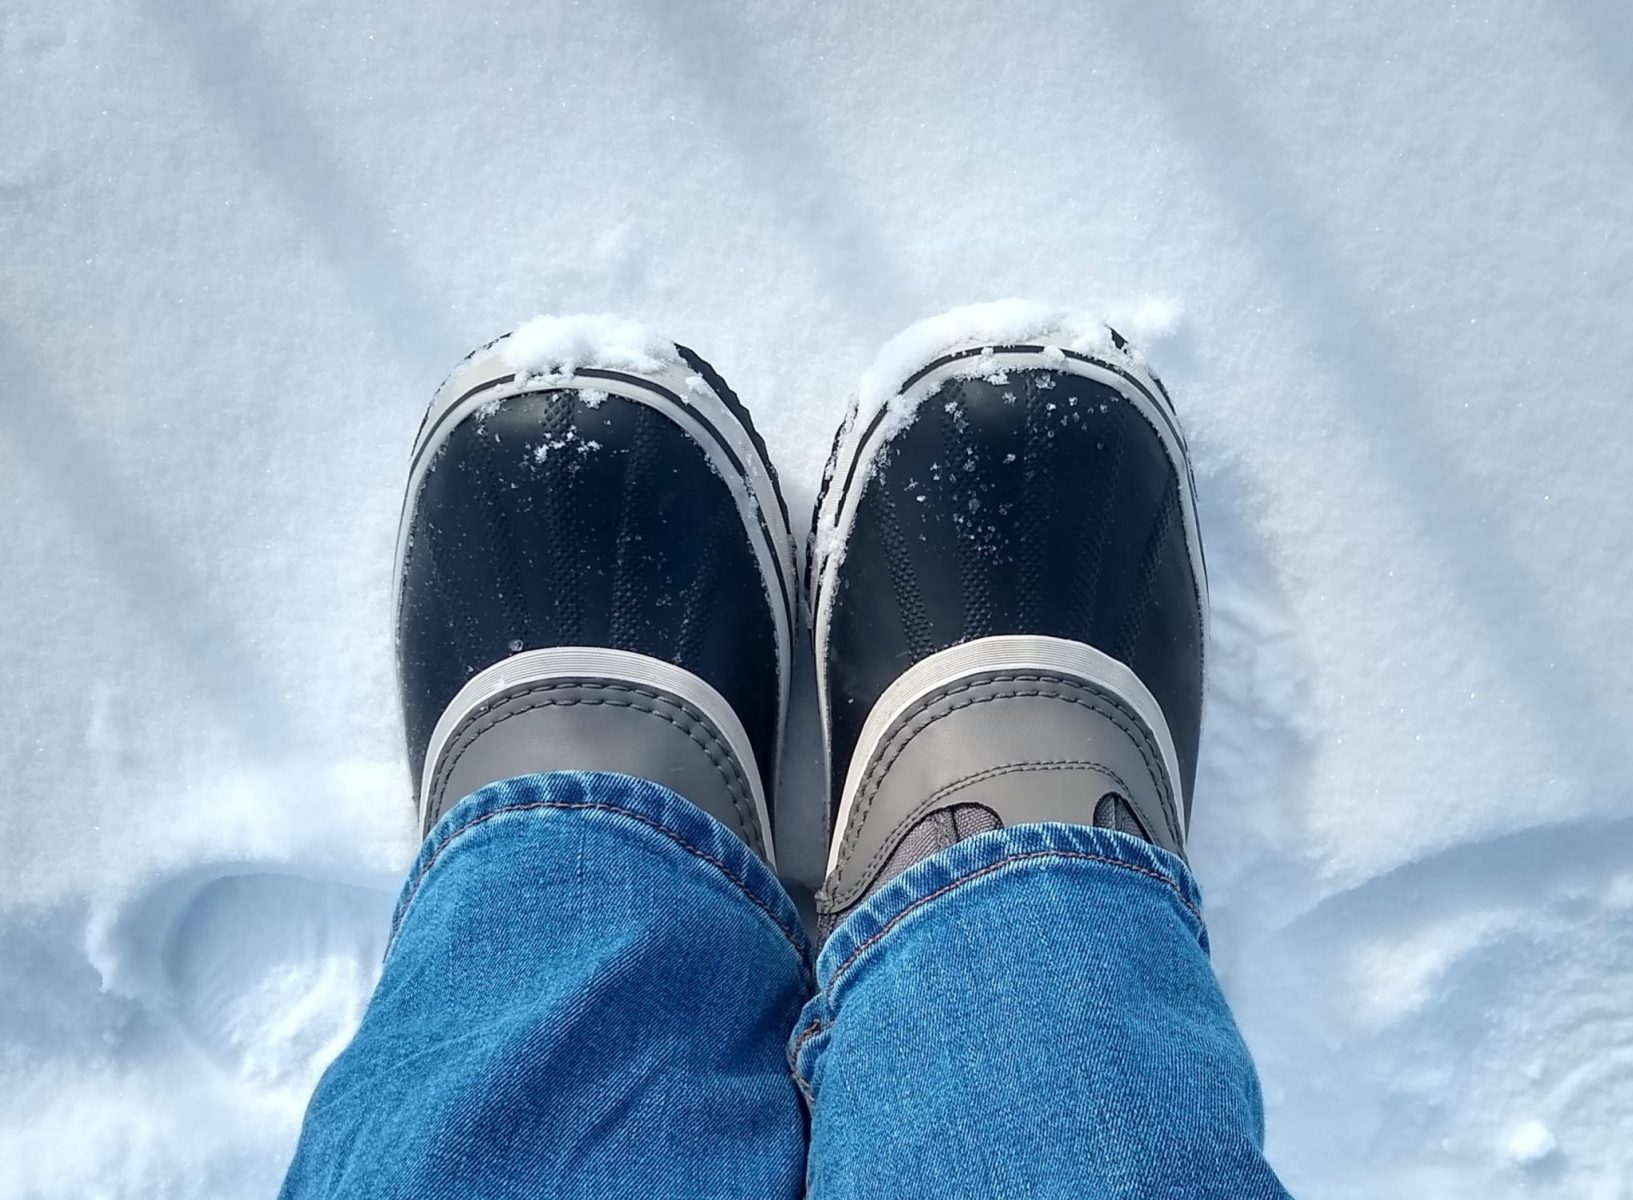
(543, 711)
(1051, 731)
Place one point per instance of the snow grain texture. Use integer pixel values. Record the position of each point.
(243, 247)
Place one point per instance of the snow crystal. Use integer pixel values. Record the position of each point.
(1530, 1143)
(549, 345)
(1147, 320)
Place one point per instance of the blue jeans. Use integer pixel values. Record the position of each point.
(594, 989)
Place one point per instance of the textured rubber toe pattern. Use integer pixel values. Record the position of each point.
(561, 518)
(1042, 504)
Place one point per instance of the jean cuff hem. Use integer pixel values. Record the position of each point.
(1018, 848)
(636, 807)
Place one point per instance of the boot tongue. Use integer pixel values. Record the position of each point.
(1114, 812)
(935, 831)
(947, 827)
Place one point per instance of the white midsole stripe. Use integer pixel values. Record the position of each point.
(1011, 653)
(601, 663)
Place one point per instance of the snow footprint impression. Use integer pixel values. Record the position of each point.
(1503, 964)
(264, 971)
(269, 973)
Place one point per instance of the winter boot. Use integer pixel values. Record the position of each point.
(1009, 603)
(594, 572)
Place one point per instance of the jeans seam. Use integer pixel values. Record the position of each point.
(810, 1031)
(920, 902)
(533, 805)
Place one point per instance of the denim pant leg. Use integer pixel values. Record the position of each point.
(588, 993)
(1029, 1013)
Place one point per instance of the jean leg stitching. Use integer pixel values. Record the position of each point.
(1079, 855)
(846, 894)
(534, 805)
(810, 1031)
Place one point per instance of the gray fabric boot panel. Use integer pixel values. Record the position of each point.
(590, 725)
(1029, 748)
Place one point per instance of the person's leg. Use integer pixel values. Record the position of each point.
(1010, 616)
(590, 978)
(588, 993)
(1030, 1013)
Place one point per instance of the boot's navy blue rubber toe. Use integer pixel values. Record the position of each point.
(594, 573)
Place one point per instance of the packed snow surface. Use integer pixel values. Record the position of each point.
(1381, 255)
